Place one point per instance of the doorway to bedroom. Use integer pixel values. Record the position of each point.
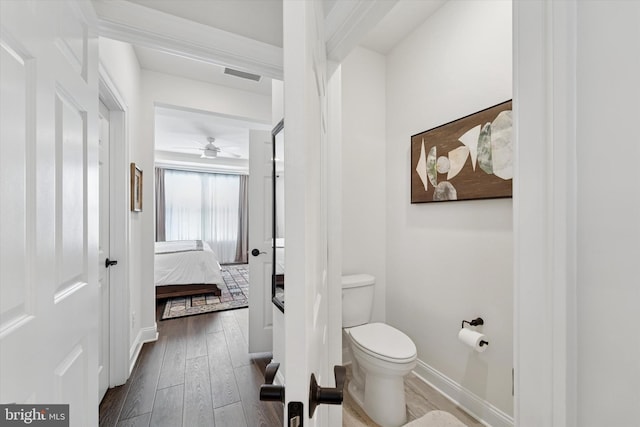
(201, 211)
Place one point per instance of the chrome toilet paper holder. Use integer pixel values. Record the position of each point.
(476, 322)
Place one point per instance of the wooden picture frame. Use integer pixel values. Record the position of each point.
(136, 188)
(468, 158)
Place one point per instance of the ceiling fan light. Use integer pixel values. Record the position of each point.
(209, 154)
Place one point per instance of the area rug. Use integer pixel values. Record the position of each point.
(235, 294)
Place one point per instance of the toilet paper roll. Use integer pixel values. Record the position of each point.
(472, 339)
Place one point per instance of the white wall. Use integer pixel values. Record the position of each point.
(363, 170)
(608, 211)
(121, 64)
(450, 261)
(576, 217)
(277, 101)
(176, 91)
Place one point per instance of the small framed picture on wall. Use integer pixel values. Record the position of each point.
(136, 188)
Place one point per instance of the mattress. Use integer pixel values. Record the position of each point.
(186, 262)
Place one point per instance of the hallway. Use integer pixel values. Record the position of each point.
(198, 373)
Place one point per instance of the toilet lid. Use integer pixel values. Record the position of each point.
(383, 340)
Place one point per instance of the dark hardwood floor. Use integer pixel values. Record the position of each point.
(198, 373)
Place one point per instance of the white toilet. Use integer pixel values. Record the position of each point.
(381, 355)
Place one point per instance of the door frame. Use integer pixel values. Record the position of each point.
(334, 221)
(545, 213)
(119, 310)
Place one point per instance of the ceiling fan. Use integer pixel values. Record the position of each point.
(211, 151)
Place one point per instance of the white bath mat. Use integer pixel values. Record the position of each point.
(436, 419)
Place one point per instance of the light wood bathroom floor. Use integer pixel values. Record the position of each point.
(421, 398)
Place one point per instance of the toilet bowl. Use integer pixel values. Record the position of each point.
(381, 356)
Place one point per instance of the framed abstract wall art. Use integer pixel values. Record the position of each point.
(469, 158)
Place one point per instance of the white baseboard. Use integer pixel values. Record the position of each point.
(144, 335)
(479, 408)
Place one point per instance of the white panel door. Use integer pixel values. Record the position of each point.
(260, 265)
(49, 206)
(309, 293)
(103, 253)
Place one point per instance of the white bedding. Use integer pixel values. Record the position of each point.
(176, 264)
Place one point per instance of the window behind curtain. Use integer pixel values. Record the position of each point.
(203, 206)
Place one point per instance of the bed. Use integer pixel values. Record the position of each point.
(186, 267)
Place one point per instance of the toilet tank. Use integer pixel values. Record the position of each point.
(357, 299)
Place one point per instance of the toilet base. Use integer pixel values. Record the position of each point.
(377, 384)
(382, 399)
(356, 393)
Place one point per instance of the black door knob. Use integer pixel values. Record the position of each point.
(256, 252)
(324, 395)
(108, 262)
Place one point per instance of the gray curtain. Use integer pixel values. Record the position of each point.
(160, 206)
(242, 247)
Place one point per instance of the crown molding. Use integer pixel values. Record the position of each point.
(349, 21)
(129, 22)
(139, 25)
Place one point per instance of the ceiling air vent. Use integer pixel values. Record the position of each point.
(242, 74)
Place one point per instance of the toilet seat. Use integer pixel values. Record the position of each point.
(383, 342)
